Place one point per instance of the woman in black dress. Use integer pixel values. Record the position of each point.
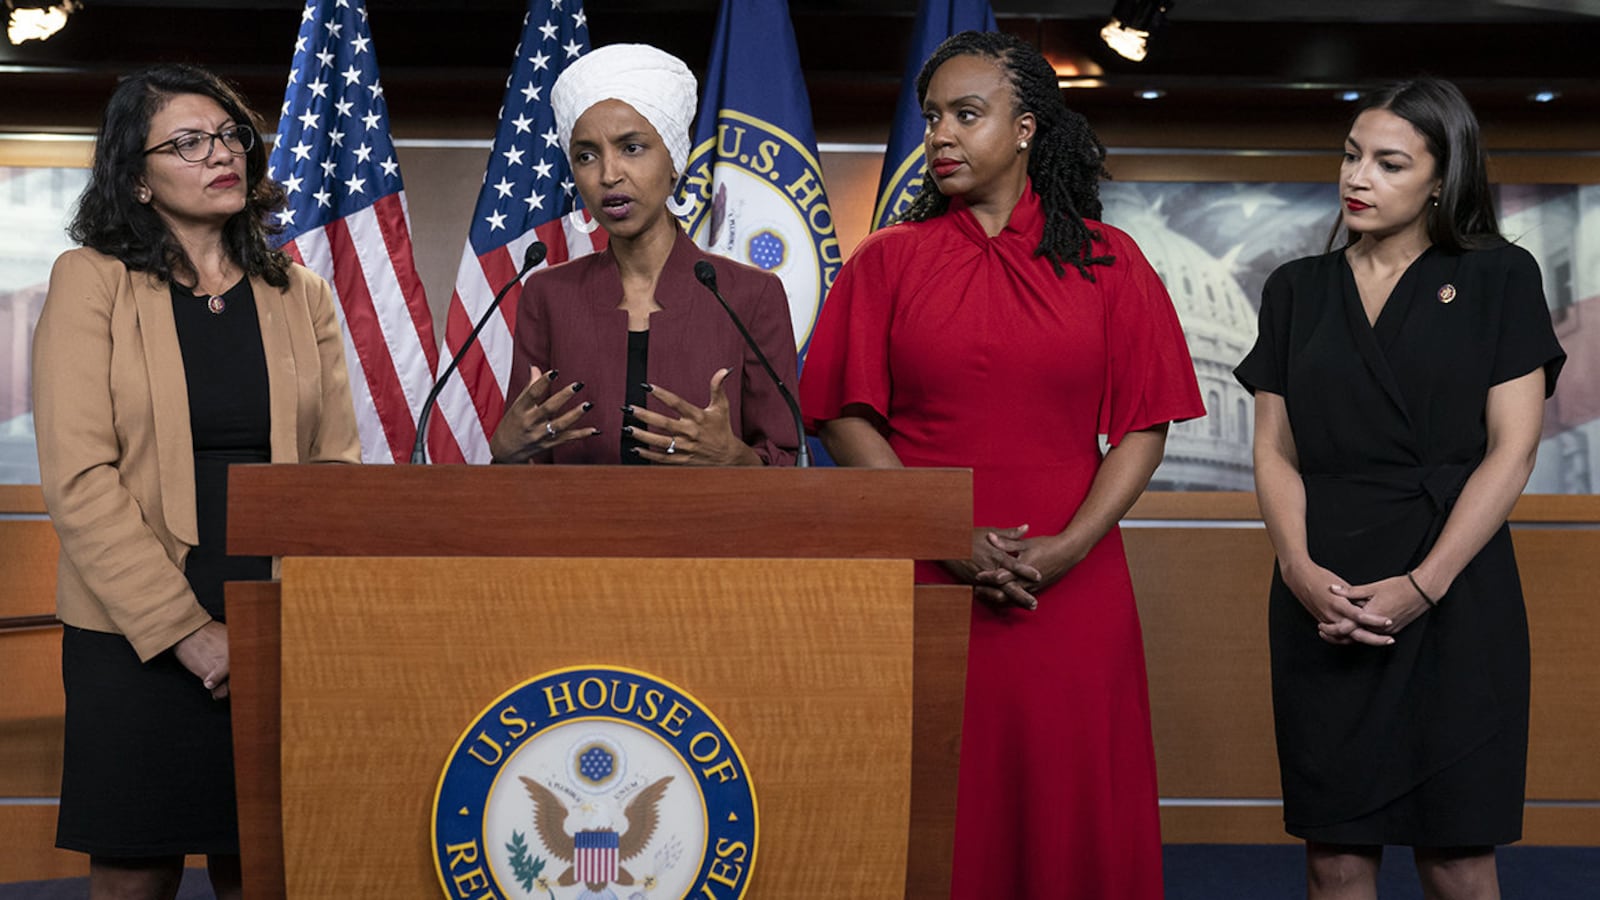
(173, 344)
(1399, 385)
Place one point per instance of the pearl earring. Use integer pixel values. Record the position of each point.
(1022, 145)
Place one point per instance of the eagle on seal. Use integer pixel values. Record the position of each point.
(550, 817)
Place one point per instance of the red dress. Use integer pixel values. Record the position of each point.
(978, 355)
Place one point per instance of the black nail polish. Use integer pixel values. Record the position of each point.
(627, 410)
(648, 388)
(587, 406)
(577, 386)
(551, 375)
(594, 431)
(627, 430)
(634, 450)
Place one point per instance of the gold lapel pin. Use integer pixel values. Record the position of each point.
(1447, 293)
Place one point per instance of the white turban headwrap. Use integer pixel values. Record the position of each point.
(655, 83)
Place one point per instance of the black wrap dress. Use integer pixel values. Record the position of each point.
(1423, 743)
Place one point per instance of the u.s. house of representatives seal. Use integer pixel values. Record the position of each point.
(595, 783)
(754, 193)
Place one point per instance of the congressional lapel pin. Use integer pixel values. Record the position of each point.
(1447, 293)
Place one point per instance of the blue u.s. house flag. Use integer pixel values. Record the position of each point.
(753, 190)
(903, 165)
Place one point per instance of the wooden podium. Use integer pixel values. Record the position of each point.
(782, 599)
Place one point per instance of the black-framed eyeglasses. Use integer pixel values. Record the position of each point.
(197, 146)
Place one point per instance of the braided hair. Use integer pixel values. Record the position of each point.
(1067, 161)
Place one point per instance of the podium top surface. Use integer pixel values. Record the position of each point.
(612, 511)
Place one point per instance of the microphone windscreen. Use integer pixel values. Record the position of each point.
(534, 255)
(707, 273)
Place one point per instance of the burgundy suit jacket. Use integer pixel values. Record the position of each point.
(570, 318)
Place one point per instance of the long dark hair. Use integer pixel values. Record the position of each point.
(1067, 161)
(110, 220)
(1464, 218)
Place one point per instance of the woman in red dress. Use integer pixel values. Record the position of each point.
(1000, 328)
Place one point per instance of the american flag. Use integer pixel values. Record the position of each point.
(595, 859)
(527, 195)
(347, 221)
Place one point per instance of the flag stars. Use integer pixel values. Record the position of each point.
(360, 44)
(327, 167)
(318, 87)
(309, 120)
(325, 57)
(351, 75)
(337, 137)
(372, 119)
(363, 153)
(343, 107)
(376, 89)
(504, 186)
(535, 200)
(301, 151)
(551, 138)
(309, 13)
(300, 44)
(290, 184)
(513, 156)
(540, 61)
(333, 28)
(579, 19)
(323, 198)
(390, 167)
(542, 168)
(523, 124)
(497, 221)
(549, 30)
(286, 217)
(567, 185)
(354, 185)
(574, 49)
(530, 94)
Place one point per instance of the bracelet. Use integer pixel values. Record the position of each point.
(1432, 604)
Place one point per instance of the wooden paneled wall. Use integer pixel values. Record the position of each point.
(1200, 566)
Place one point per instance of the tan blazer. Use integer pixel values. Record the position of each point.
(116, 459)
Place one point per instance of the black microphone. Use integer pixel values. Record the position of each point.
(707, 273)
(419, 450)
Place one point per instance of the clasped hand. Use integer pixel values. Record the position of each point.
(1009, 568)
(697, 437)
(1355, 614)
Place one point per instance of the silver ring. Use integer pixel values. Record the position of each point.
(549, 429)
(672, 446)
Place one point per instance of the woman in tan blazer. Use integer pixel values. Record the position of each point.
(173, 344)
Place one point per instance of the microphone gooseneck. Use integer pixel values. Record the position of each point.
(419, 451)
(706, 273)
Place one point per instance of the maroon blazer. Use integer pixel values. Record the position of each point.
(569, 318)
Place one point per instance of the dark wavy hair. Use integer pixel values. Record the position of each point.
(108, 217)
(1465, 217)
(1066, 163)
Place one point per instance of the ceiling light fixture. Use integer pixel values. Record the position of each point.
(1543, 96)
(1132, 23)
(37, 20)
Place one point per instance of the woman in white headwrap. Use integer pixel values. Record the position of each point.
(651, 368)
